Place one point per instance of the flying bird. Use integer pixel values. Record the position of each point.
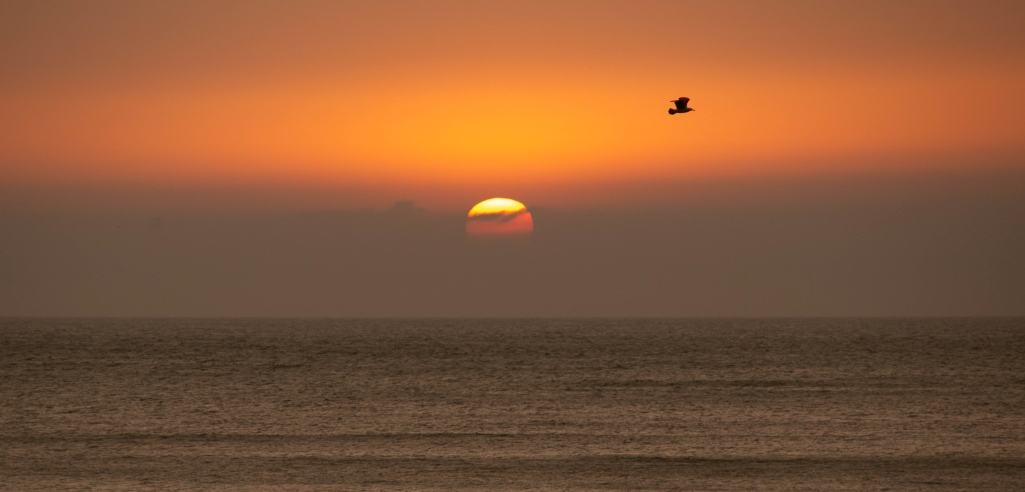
(681, 106)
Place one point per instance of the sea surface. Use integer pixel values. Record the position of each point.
(531, 404)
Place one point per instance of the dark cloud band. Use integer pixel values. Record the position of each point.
(498, 216)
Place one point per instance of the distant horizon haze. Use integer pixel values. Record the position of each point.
(916, 246)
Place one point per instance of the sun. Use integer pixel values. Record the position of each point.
(499, 218)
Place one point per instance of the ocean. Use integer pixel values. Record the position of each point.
(512, 404)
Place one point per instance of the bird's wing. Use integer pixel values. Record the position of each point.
(681, 103)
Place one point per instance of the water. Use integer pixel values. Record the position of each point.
(854, 404)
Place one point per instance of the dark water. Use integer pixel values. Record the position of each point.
(512, 404)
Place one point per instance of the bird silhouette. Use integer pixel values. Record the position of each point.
(681, 106)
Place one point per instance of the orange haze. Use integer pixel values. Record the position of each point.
(470, 94)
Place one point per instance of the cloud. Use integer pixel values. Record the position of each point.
(498, 216)
(406, 207)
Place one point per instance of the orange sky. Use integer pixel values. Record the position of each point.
(469, 95)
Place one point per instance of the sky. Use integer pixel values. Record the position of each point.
(830, 140)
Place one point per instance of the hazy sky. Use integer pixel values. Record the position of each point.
(243, 158)
(933, 246)
(473, 94)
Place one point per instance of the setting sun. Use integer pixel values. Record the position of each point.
(497, 218)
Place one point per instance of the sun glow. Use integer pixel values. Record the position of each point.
(497, 218)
